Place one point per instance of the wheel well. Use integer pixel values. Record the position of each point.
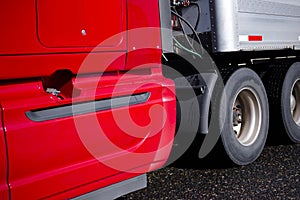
(174, 62)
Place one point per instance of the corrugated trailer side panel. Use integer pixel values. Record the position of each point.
(255, 25)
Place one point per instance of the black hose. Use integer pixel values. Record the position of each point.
(199, 14)
(184, 33)
(188, 24)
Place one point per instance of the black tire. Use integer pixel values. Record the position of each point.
(282, 82)
(244, 144)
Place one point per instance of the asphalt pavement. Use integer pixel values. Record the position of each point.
(275, 175)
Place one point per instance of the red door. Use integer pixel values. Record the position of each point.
(66, 145)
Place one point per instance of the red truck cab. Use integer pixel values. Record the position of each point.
(83, 102)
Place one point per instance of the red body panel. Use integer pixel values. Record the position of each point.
(81, 23)
(25, 66)
(31, 29)
(68, 156)
(26, 21)
(51, 157)
(3, 163)
(144, 41)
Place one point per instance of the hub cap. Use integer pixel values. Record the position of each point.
(295, 102)
(247, 116)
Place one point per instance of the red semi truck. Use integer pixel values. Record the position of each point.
(92, 91)
(67, 91)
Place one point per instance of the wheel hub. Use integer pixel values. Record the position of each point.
(246, 116)
(295, 102)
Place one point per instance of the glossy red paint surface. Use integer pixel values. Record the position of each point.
(51, 157)
(81, 23)
(69, 156)
(20, 21)
(26, 66)
(30, 29)
(3, 162)
(144, 41)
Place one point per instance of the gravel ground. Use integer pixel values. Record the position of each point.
(275, 175)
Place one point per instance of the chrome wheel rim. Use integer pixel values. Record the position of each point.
(246, 116)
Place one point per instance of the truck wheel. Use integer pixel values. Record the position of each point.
(283, 86)
(244, 116)
(292, 126)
